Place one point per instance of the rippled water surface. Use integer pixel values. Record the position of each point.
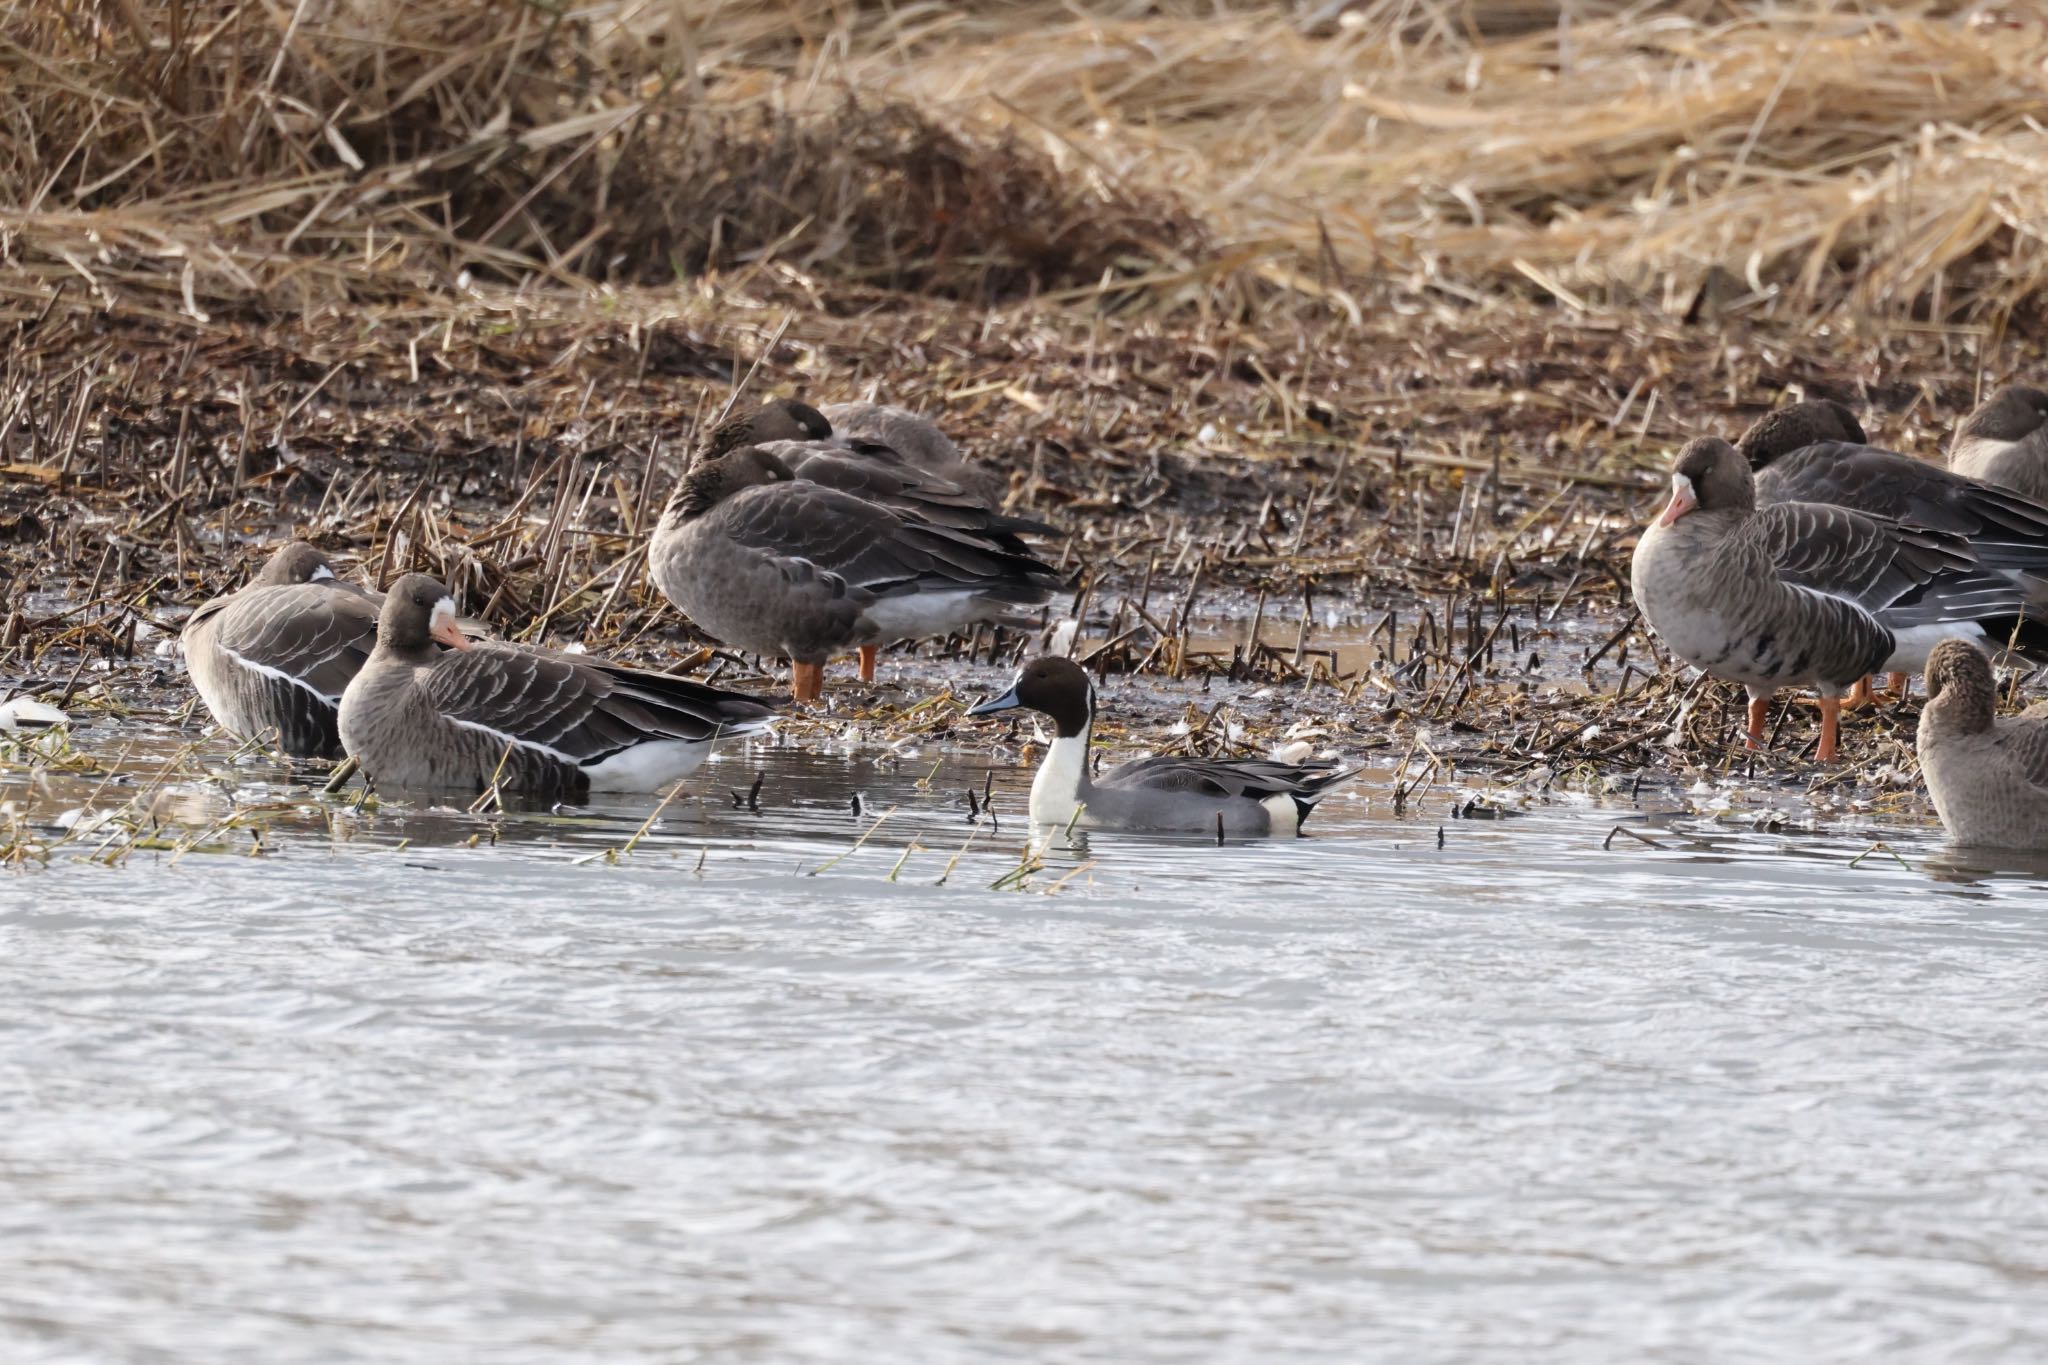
(427, 1086)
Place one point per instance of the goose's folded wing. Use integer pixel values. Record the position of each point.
(579, 708)
(810, 529)
(877, 474)
(1870, 560)
(2006, 530)
(2025, 739)
(314, 634)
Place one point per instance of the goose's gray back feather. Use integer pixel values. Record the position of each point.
(2006, 530)
(917, 440)
(536, 720)
(804, 571)
(879, 474)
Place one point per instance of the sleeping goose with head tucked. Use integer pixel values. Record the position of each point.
(802, 438)
(915, 441)
(1800, 594)
(2005, 442)
(273, 658)
(1987, 776)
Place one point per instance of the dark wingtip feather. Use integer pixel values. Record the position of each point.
(2024, 635)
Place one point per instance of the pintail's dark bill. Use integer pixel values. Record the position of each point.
(1006, 702)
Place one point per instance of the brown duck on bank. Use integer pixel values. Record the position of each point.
(535, 721)
(2005, 442)
(273, 658)
(1988, 776)
(1799, 594)
(780, 566)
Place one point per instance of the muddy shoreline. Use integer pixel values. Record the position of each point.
(1408, 538)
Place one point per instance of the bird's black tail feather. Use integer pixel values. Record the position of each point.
(2026, 636)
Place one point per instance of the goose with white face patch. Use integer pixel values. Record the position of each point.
(1238, 796)
(272, 659)
(764, 561)
(1800, 593)
(535, 721)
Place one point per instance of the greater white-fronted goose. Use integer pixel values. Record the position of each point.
(780, 566)
(1241, 796)
(918, 441)
(2005, 441)
(1988, 776)
(1800, 593)
(273, 658)
(548, 724)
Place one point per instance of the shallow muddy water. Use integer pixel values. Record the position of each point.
(420, 1085)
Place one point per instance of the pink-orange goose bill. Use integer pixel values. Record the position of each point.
(443, 628)
(1683, 500)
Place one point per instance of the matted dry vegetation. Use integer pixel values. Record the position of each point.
(446, 283)
(1789, 159)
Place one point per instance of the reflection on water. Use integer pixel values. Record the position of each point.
(794, 1084)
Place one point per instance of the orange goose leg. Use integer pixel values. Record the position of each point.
(1830, 728)
(806, 681)
(1898, 684)
(1759, 712)
(1860, 694)
(867, 663)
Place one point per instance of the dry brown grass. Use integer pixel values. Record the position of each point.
(201, 154)
(1789, 159)
(1786, 160)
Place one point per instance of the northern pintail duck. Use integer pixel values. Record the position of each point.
(1799, 593)
(1988, 776)
(1242, 796)
(273, 658)
(780, 566)
(2005, 441)
(535, 721)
